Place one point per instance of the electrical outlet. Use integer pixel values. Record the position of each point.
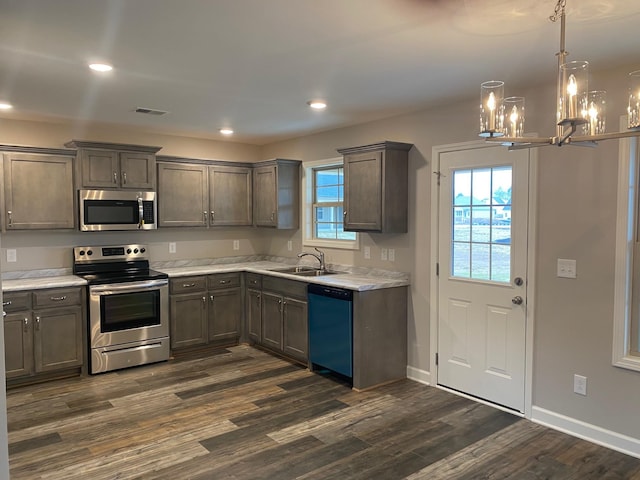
(580, 384)
(383, 254)
(12, 255)
(289, 245)
(566, 268)
(392, 254)
(236, 244)
(367, 253)
(172, 247)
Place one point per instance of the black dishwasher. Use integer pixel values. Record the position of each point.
(331, 329)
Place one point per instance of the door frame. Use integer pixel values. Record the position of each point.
(436, 151)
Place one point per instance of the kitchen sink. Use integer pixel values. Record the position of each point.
(303, 271)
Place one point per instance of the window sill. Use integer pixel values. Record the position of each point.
(629, 362)
(338, 244)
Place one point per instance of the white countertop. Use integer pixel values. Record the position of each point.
(357, 281)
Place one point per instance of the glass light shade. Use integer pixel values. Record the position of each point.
(514, 116)
(491, 109)
(596, 113)
(633, 118)
(573, 94)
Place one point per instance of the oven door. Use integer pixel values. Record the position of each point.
(128, 312)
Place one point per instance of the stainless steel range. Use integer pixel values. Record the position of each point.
(128, 306)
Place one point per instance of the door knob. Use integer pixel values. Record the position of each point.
(517, 300)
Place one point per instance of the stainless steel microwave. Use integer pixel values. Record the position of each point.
(117, 210)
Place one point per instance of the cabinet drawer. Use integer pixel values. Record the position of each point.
(291, 288)
(16, 301)
(224, 280)
(188, 284)
(59, 297)
(254, 281)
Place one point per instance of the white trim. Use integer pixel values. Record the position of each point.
(307, 207)
(480, 400)
(436, 151)
(586, 431)
(418, 375)
(625, 229)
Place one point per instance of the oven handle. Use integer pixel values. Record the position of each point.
(128, 286)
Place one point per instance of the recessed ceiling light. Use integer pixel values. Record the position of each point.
(5, 106)
(100, 67)
(226, 131)
(317, 104)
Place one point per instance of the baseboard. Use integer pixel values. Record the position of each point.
(421, 376)
(586, 431)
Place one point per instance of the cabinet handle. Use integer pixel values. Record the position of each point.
(344, 214)
(211, 298)
(273, 215)
(26, 323)
(8, 302)
(224, 282)
(258, 296)
(37, 323)
(253, 282)
(10, 218)
(213, 216)
(59, 299)
(188, 285)
(204, 217)
(124, 178)
(4, 314)
(115, 177)
(204, 301)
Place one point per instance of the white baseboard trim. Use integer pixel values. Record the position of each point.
(421, 376)
(586, 431)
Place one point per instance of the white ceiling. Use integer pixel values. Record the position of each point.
(253, 64)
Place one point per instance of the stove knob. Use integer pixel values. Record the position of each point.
(135, 250)
(89, 252)
(142, 250)
(128, 250)
(82, 252)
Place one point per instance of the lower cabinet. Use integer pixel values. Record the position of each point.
(205, 309)
(284, 317)
(43, 331)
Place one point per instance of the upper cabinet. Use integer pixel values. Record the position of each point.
(38, 191)
(200, 195)
(111, 165)
(276, 194)
(375, 187)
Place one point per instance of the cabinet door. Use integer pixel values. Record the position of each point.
(295, 327)
(230, 196)
(182, 195)
(254, 315)
(363, 191)
(225, 314)
(188, 318)
(264, 197)
(18, 344)
(57, 338)
(137, 170)
(38, 192)
(272, 321)
(99, 168)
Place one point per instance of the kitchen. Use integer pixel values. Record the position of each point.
(562, 307)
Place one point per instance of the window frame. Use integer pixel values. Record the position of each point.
(308, 199)
(627, 229)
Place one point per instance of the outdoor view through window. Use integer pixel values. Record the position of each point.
(481, 238)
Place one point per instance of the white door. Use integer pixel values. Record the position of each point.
(482, 257)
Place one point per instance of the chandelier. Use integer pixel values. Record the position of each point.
(580, 112)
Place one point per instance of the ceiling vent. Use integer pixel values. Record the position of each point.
(150, 111)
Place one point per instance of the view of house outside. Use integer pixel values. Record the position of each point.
(481, 224)
(328, 187)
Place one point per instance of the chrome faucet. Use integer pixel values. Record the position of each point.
(319, 256)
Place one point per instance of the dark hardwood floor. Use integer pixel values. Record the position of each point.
(244, 414)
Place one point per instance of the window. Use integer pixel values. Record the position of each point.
(626, 332)
(324, 197)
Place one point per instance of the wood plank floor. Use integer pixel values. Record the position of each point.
(244, 414)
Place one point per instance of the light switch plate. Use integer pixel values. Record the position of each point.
(289, 245)
(236, 244)
(172, 247)
(392, 254)
(566, 268)
(383, 254)
(12, 255)
(367, 252)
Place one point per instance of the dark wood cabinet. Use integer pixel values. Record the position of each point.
(276, 194)
(44, 331)
(188, 319)
(225, 307)
(375, 187)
